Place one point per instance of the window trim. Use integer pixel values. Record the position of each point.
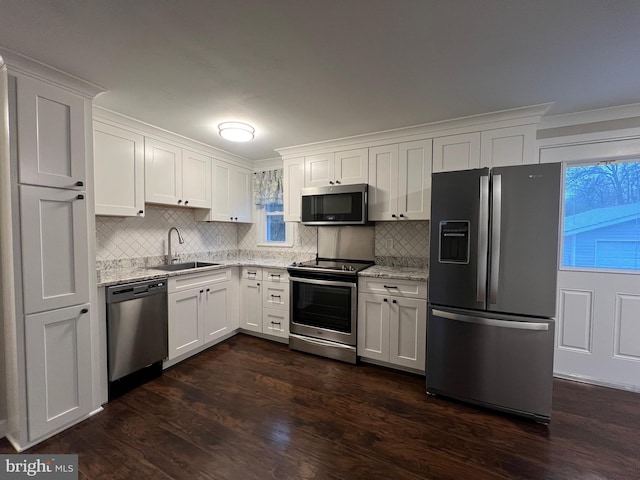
(261, 215)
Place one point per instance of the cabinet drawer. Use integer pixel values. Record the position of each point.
(275, 295)
(387, 286)
(275, 275)
(252, 273)
(275, 322)
(184, 282)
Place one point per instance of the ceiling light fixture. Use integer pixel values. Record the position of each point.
(236, 131)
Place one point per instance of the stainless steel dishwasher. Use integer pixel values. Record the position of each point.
(137, 333)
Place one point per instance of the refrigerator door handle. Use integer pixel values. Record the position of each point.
(483, 240)
(496, 220)
(491, 322)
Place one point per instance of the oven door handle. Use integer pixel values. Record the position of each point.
(329, 283)
(320, 341)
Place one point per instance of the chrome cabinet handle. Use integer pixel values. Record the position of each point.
(79, 184)
(84, 310)
(390, 286)
(80, 197)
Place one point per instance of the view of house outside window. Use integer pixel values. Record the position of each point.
(602, 216)
(275, 230)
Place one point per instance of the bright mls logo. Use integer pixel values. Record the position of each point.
(52, 467)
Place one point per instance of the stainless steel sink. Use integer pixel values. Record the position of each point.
(174, 267)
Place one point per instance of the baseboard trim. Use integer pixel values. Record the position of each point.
(598, 382)
(402, 368)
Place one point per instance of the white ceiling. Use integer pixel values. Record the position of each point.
(303, 71)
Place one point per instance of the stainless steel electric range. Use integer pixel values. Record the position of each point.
(324, 293)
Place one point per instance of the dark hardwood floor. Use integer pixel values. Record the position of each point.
(250, 408)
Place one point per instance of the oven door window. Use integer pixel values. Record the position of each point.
(322, 306)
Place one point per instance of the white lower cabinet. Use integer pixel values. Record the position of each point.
(58, 358)
(202, 309)
(264, 304)
(393, 328)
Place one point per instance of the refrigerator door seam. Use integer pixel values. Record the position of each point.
(491, 322)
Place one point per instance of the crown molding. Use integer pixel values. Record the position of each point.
(590, 116)
(21, 64)
(267, 164)
(105, 115)
(485, 121)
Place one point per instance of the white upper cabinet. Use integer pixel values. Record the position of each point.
(400, 181)
(383, 182)
(339, 168)
(118, 171)
(508, 146)
(51, 135)
(163, 172)
(498, 147)
(176, 176)
(414, 180)
(196, 179)
(456, 152)
(55, 259)
(292, 182)
(351, 166)
(231, 196)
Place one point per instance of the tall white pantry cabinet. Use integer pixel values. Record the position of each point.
(51, 333)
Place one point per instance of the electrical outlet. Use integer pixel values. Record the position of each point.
(218, 240)
(390, 243)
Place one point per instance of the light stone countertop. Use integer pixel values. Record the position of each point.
(116, 276)
(398, 273)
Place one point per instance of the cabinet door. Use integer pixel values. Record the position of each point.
(275, 322)
(58, 356)
(319, 170)
(352, 166)
(55, 259)
(196, 180)
(51, 135)
(373, 327)
(414, 182)
(292, 182)
(163, 172)
(242, 195)
(251, 305)
(118, 171)
(221, 203)
(408, 332)
(185, 321)
(508, 146)
(217, 311)
(456, 152)
(383, 183)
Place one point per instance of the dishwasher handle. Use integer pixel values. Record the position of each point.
(129, 291)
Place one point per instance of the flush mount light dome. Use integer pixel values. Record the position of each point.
(236, 131)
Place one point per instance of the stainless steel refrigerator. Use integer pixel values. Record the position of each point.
(492, 287)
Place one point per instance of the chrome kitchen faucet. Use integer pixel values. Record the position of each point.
(170, 258)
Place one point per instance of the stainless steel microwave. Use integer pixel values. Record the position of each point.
(335, 205)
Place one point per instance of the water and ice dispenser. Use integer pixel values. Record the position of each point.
(454, 241)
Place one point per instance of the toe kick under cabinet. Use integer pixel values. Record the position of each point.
(264, 304)
(392, 322)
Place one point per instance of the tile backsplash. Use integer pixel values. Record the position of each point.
(396, 243)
